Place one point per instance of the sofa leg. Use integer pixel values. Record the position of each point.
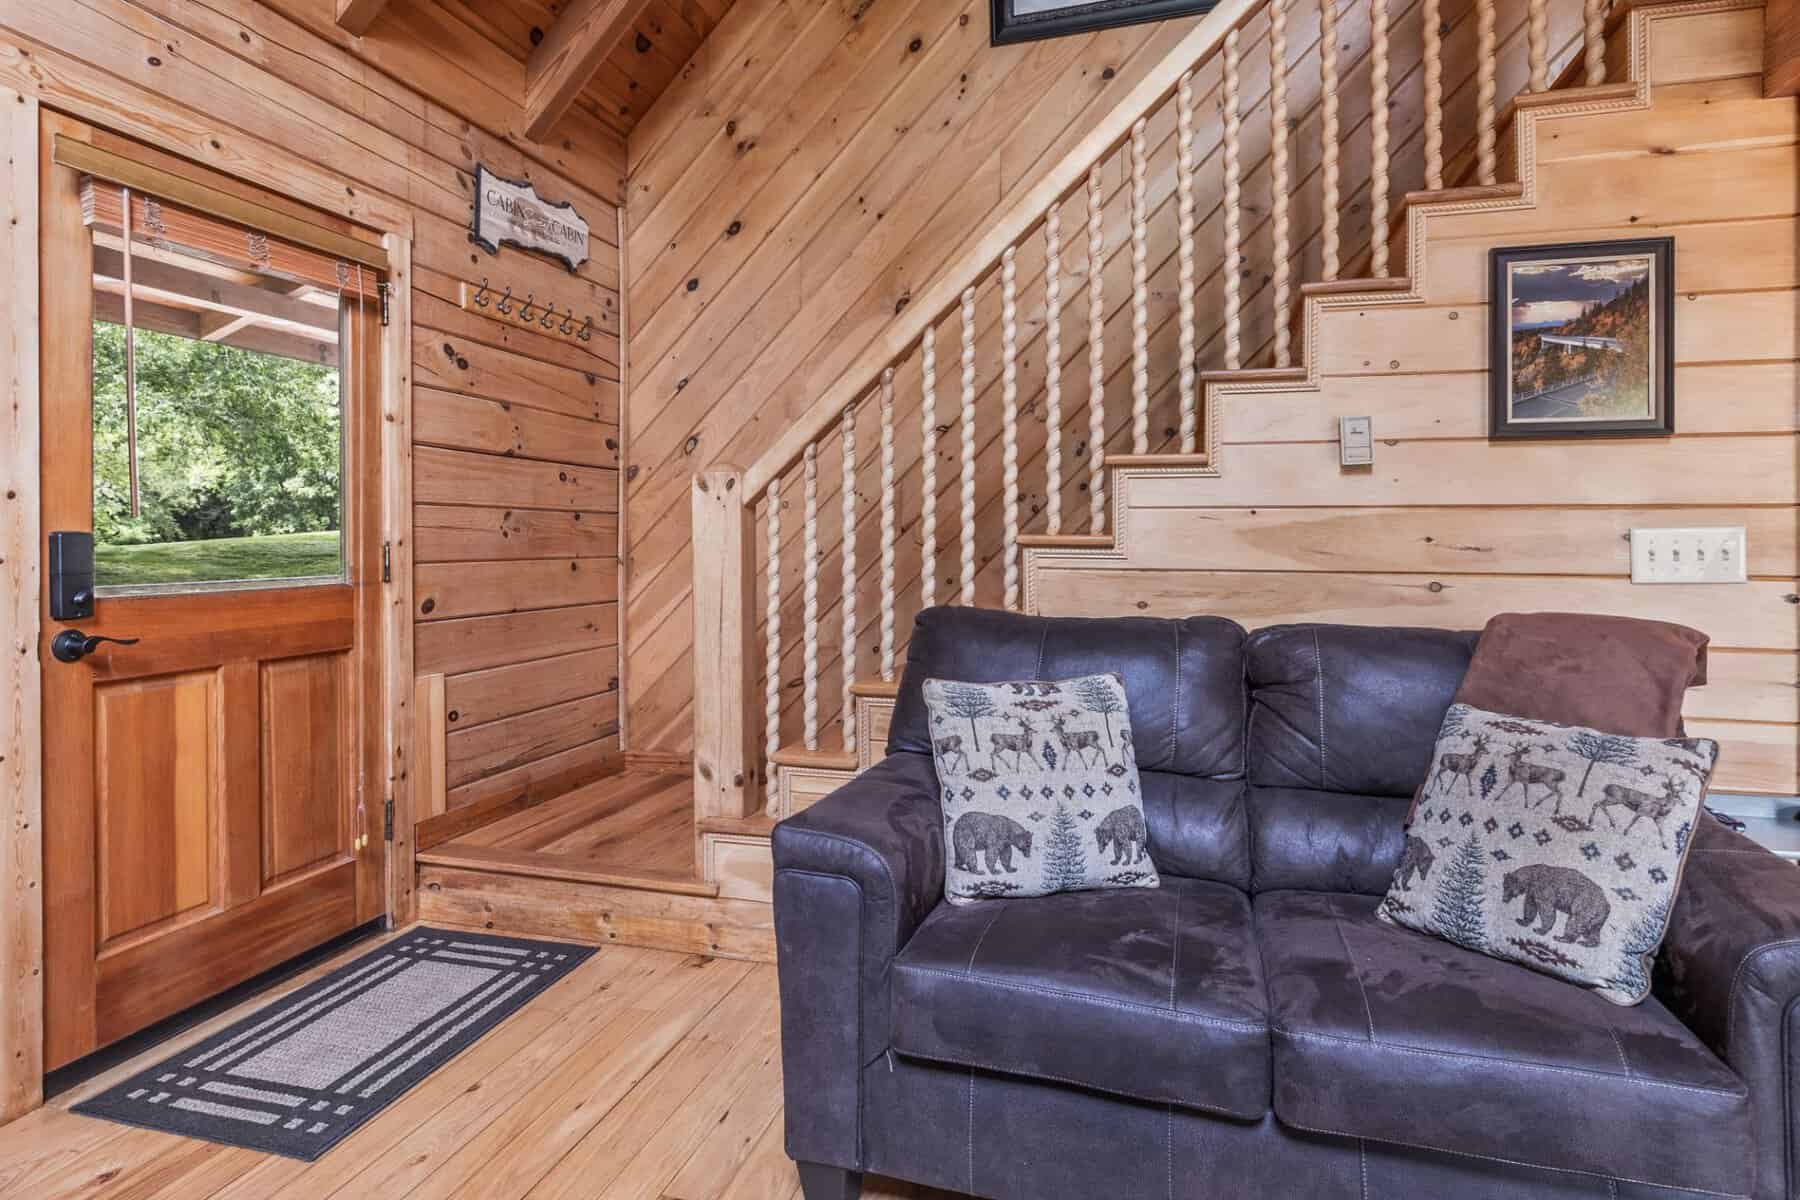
(820, 1182)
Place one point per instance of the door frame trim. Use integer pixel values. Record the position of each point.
(21, 572)
(21, 585)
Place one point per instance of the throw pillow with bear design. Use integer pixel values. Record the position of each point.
(1553, 846)
(1039, 786)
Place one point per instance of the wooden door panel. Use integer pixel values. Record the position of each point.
(156, 799)
(305, 774)
(149, 979)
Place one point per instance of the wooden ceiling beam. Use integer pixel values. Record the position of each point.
(355, 16)
(570, 53)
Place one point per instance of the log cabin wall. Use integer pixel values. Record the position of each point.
(515, 432)
(814, 169)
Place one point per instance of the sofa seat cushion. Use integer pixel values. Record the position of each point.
(1382, 1033)
(1155, 994)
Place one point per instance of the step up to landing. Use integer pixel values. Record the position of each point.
(613, 862)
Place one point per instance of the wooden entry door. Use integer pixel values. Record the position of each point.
(212, 790)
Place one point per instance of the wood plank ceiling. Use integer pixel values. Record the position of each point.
(609, 58)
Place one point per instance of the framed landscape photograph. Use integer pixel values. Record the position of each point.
(1582, 340)
(1028, 20)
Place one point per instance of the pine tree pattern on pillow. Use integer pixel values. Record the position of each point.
(1040, 787)
(1581, 889)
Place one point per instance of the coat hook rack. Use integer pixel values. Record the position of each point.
(548, 318)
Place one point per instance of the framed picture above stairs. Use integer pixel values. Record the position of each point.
(1031, 20)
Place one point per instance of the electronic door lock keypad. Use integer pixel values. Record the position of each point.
(71, 568)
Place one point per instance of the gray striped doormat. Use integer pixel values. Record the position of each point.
(302, 1073)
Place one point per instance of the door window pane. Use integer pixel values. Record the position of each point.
(219, 382)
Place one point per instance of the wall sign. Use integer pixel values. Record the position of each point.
(510, 212)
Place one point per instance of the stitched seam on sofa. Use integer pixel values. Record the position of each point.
(1015, 1073)
(976, 949)
(1175, 950)
(1175, 709)
(1513, 1063)
(1617, 1044)
(1355, 967)
(1737, 977)
(1085, 998)
(1319, 667)
(1787, 1100)
(1362, 1160)
(1511, 1162)
(1169, 1145)
(971, 1129)
(1043, 637)
(1246, 707)
(861, 1097)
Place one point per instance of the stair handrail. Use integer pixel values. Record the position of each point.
(976, 260)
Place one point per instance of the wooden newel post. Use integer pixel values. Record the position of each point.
(726, 762)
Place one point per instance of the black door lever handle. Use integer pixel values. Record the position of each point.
(72, 645)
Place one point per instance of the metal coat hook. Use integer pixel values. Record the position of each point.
(568, 323)
(549, 321)
(504, 304)
(525, 309)
(586, 332)
(481, 300)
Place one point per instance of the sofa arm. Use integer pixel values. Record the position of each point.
(854, 876)
(1730, 969)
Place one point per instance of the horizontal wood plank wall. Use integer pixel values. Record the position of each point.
(515, 457)
(789, 196)
(1446, 528)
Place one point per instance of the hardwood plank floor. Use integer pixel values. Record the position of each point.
(643, 1075)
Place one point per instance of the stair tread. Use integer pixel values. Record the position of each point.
(1556, 97)
(1155, 460)
(1347, 287)
(759, 825)
(537, 864)
(1475, 191)
(821, 760)
(1076, 541)
(1249, 375)
(877, 689)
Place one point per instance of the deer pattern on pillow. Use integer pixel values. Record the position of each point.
(1040, 787)
(1553, 846)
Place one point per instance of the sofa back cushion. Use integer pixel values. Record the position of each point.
(1184, 681)
(1343, 719)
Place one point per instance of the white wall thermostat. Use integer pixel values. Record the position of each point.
(1356, 441)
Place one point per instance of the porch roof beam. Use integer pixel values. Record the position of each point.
(163, 281)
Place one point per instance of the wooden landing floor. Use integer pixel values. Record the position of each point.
(645, 1074)
(635, 827)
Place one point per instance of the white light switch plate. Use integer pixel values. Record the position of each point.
(1356, 441)
(1714, 555)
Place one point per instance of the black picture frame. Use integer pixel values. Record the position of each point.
(1554, 411)
(1008, 26)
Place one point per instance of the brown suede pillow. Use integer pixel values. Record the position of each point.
(1615, 674)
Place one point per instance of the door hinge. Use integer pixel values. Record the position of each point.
(387, 303)
(387, 562)
(387, 820)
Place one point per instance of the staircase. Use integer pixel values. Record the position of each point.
(1214, 259)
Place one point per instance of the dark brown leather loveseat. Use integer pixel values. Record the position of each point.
(1249, 1029)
